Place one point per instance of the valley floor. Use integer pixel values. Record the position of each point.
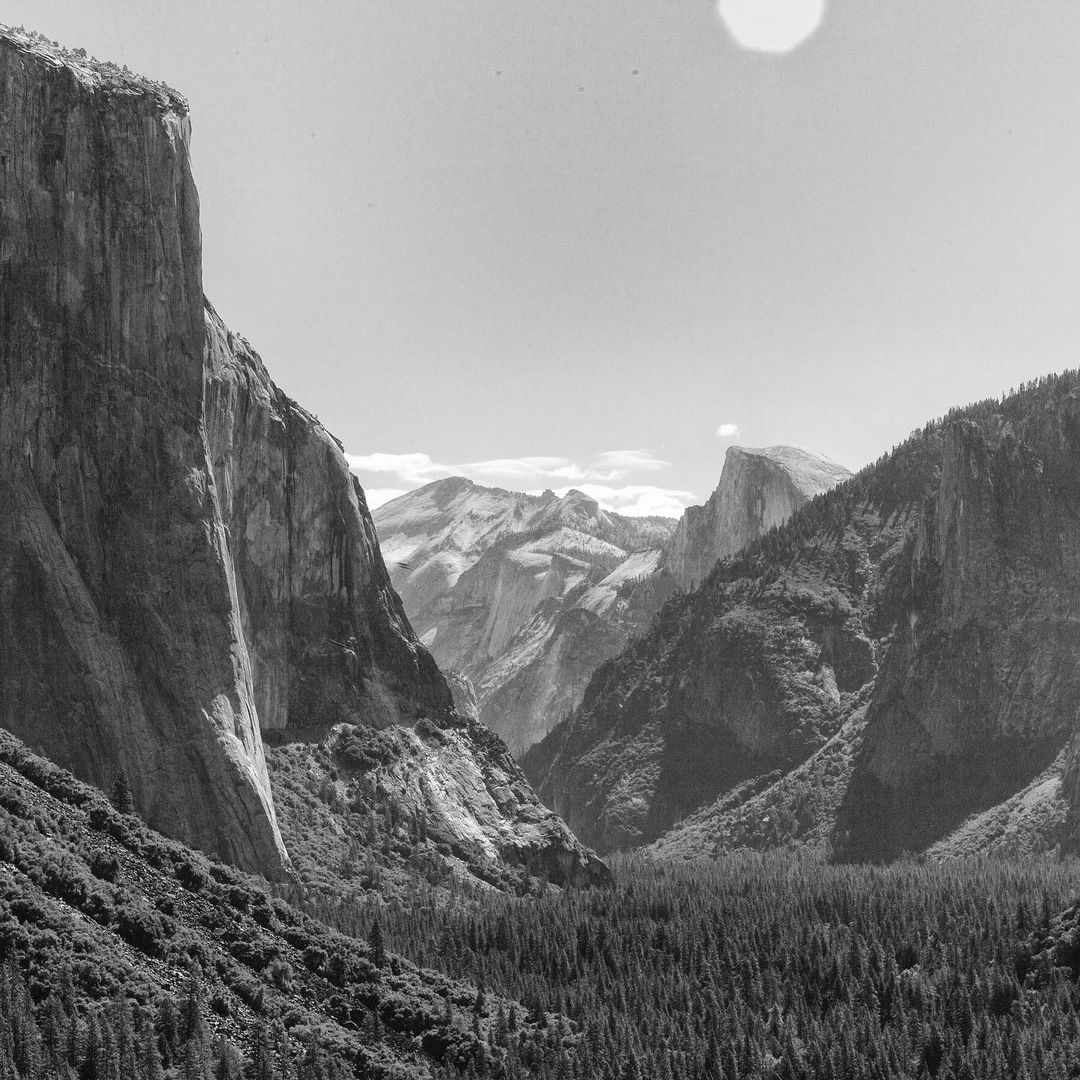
(769, 966)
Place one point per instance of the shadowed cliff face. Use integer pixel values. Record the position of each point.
(328, 639)
(186, 563)
(736, 681)
(120, 644)
(898, 658)
(980, 690)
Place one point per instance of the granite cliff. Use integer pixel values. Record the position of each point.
(187, 567)
(758, 490)
(891, 671)
(527, 595)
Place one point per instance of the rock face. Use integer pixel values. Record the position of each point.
(523, 595)
(979, 692)
(120, 642)
(529, 595)
(890, 670)
(758, 490)
(186, 564)
(328, 639)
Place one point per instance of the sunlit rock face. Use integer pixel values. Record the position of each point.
(186, 564)
(758, 490)
(890, 672)
(327, 637)
(524, 595)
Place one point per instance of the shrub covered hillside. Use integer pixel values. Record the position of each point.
(125, 954)
(771, 968)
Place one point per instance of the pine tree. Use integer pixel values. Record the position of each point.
(376, 944)
(194, 1061)
(168, 1031)
(150, 1054)
(121, 796)
(312, 1065)
(261, 1063)
(228, 1064)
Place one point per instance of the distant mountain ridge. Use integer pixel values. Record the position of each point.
(890, 671)
(526, 595)
(522, 594)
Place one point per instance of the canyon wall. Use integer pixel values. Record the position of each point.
(187, 567)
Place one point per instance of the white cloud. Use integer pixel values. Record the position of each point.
(378, 496)
(637, 500)
(411, 469)
(727, 431)
(630, 460)
(528, 469)
(414, 469)
(620, 464)
(607, 477)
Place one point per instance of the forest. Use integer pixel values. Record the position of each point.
(127, 957)
(777, 967)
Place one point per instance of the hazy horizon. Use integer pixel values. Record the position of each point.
(506, 240)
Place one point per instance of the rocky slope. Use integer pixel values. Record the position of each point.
(187, 565)
(890, 671)
(97, 908)
(523, 595)
(527, 595)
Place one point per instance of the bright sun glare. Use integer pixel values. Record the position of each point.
(776, 26)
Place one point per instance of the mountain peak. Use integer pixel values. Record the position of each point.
(810, 471)
(759, 487)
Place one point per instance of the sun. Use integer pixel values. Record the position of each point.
(775, 26)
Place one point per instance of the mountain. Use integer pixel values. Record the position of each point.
(522, 594)
(758, 490)
(890, 671)
(188, 570)
(527, 595)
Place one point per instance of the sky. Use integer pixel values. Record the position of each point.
(593, 243)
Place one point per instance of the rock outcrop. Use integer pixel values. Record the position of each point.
(186, 563)
(891, 671)
(758, 490)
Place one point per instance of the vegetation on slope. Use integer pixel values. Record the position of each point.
(110, 932)
(125, 956)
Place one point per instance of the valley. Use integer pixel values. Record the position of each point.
(881, 673)
(526, 596)
(468, 783)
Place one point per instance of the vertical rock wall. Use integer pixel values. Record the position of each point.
(328, 638)
(120, 642)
